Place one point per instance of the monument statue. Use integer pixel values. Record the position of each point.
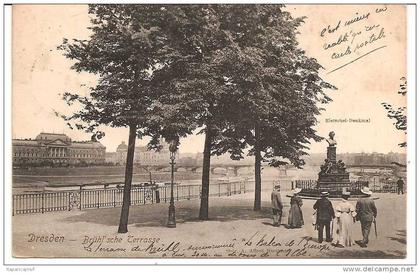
(331, 149)
(326, 167)
(331, 140)
(333, 175)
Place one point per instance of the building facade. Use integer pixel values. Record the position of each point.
(143, 156)
(56, 149)
(110, 157)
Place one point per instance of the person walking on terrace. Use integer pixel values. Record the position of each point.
(277, 206)
(295, 213)
(345, 214)
(366, 214)
(324, 215)
(400, 185)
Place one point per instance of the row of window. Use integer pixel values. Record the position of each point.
(37, 160)
(84, 154)
(46, 155)
(146, 155)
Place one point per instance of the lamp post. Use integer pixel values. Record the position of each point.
(173, 147)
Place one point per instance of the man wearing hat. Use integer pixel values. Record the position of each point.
(324, 215)
(366, 213)
(276, 205)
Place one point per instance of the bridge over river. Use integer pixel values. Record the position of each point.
(249, 167)
(231, 168)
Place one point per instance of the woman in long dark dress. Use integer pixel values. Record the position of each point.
(295, 213)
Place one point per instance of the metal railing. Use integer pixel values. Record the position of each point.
(354, 185)
(42, 202)
(304, 184)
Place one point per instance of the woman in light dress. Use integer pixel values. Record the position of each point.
(344, 213)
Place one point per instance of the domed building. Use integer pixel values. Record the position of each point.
(121, 153)
(144, 156)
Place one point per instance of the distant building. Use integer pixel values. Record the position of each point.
(56, 149)
(144, 156)
(316, 159)
(111, 157)
(378, 158)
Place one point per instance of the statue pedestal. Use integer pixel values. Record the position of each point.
(333, 181)
(332, 153)
(333, 175)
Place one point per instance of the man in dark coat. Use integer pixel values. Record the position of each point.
(366, 214)
(277, 206)
(324, 215)
(400, 185)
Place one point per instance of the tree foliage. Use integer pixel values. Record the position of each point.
(280, 86)
(233, 71)
(124, 54)
(279, 90)
(127, 55)
(399, 115)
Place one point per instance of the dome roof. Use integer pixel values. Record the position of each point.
(122, 146)
(52, 136)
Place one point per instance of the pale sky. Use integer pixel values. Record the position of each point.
(41, 72)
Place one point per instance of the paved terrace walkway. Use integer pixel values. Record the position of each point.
(233, 231)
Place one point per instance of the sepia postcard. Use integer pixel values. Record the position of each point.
(268, 132)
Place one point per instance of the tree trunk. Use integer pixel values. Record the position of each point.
(128, 178)
(257, 148)
(205, 181)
